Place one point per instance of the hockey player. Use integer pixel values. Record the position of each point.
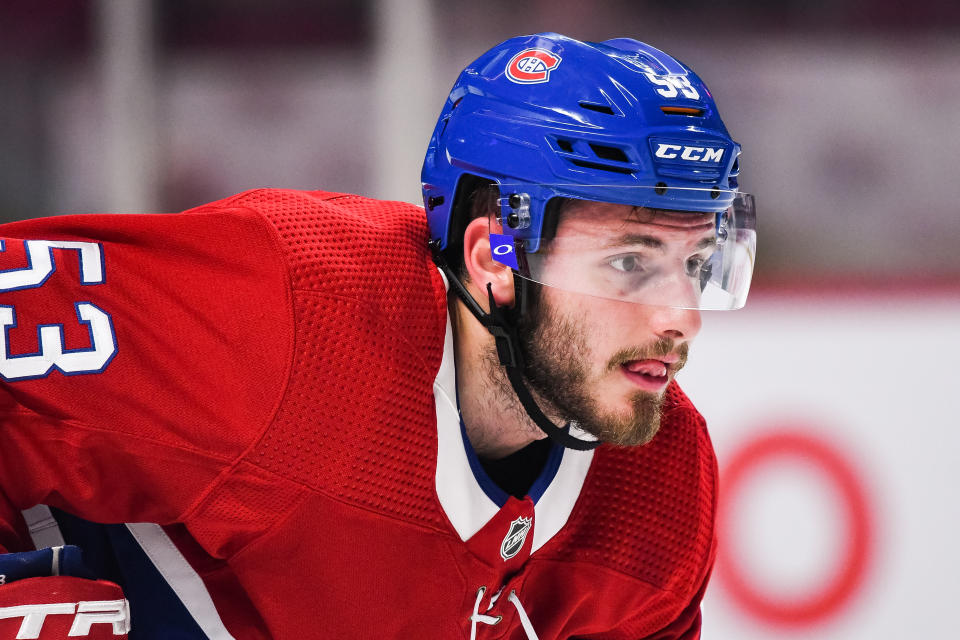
(324, 416)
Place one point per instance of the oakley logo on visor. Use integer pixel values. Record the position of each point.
(501, 246)
(532, 66)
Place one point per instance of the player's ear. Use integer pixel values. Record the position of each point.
(482, 267)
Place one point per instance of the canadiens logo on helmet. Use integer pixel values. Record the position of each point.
(516, 536)
(531, 66)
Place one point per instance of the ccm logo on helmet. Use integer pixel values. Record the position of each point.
(85, 614)
(694, 154)
(531, 66)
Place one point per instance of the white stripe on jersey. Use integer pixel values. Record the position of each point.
(181, 577)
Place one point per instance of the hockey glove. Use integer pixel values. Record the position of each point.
(50, 594)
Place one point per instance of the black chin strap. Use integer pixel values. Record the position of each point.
(501, 323)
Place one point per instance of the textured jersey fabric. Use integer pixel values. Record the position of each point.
(269, 397)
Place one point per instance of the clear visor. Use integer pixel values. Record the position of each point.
(637, 253)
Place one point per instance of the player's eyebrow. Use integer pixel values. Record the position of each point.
(707, 241)
(653, 242)
(643, 239)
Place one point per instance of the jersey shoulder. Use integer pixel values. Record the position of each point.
(129, 295)
(359, 256)
(357, 420)
(361, 242)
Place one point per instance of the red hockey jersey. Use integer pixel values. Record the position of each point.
(270, 377)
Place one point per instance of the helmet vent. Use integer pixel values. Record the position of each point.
(609, 153)
(599, 108)
(565, 145)
(681, 111)
(601, 167)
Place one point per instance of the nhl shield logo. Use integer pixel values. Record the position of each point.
(516, 536)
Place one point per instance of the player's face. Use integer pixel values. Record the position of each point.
(606, 363)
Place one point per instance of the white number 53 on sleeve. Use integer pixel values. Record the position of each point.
(52, 353)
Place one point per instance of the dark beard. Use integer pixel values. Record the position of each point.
(554, 350)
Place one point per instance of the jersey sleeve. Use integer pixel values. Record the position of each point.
(687, 625)
(142, 354)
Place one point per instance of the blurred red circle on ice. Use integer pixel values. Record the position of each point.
(829, 596)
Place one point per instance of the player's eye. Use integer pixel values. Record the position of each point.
(694, 266)
(700, 269)
(629, 263)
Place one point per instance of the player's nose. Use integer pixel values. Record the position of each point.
(677, 316)
(675, 323)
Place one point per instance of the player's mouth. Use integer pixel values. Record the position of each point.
(650, 374)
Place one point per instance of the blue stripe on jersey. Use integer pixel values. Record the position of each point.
(156, 612)
(549, 472)
(497, 495)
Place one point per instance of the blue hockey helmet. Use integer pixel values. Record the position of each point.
(621, 122)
